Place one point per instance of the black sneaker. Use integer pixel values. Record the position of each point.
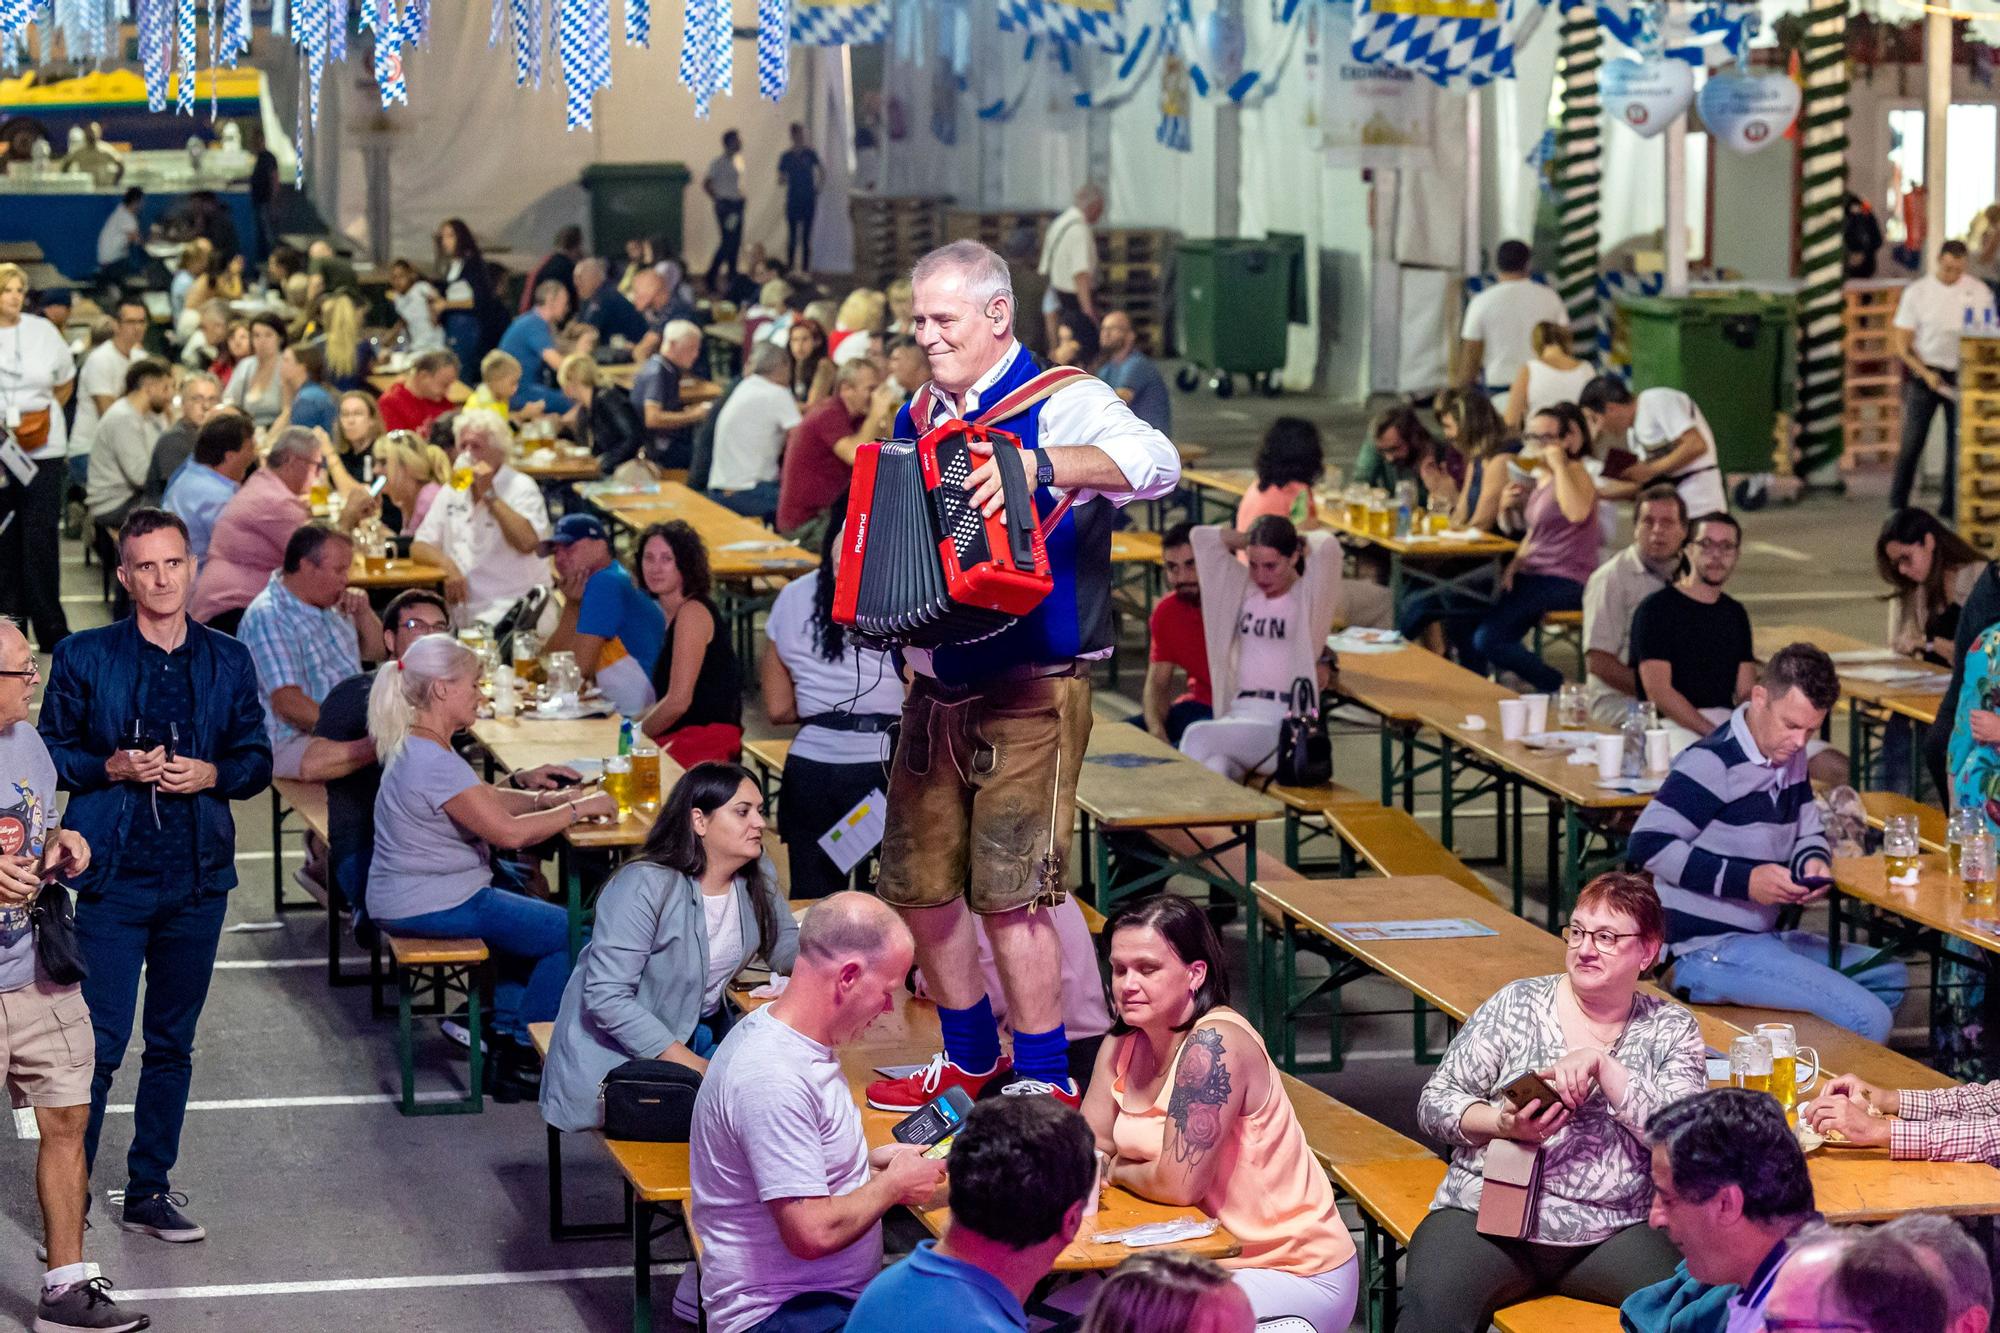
(160, 1216)
(86, 1305)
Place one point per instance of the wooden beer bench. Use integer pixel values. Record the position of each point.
(307, 801)
(447, 967)
(1879, 807)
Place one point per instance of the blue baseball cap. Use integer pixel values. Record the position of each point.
(575, 528)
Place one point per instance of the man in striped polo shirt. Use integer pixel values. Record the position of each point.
(1734, 837)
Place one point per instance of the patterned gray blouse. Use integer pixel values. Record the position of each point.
(1596, 1171)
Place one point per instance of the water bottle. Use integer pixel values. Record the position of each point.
(1634, 731)
(625, 737)
(1406, 506)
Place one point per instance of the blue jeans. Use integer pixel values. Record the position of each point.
(759, 501)
(1787, 969)
(530, 939)
(1493, 639)
(808, 1312)
(155, 926)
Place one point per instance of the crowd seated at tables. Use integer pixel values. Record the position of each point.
(237, 486)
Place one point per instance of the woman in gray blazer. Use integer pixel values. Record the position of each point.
(673, 926)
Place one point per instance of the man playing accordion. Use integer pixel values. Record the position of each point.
(983, 791)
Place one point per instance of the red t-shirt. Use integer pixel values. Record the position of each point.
(1175, 631)
(813, 475)
(403, 410)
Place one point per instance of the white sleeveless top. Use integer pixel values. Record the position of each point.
(1548, 386)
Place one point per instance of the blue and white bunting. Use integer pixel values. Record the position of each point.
(1099, 23)
(1471, 45)
(840, 22)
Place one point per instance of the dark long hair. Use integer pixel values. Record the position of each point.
(690, 554)
(1481, 432)
(1186, 929)
(1276, 532)
(804, 368)
(672, 842)
(1949, 551)
(829, 636)
(1291, 452)
(1570, 417)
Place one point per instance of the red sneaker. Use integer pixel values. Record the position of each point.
(915, 1091)
(1064, 1092)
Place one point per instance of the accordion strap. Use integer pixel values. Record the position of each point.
(1043, 386)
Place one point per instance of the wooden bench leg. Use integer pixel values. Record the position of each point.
(407, 983)
(642, 1262)
(562, 1230)
(277, 853)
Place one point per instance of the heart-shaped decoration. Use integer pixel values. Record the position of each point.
(1747, 113)
(1645, 95)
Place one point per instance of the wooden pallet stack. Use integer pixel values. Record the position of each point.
(893, 233)
(1135, 275)
(1979, 443)
(1872, 383)
(1016, 233)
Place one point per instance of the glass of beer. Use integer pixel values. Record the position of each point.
(319, 494)
(1976, 866)
(1357, 507)
(1786, 1083)
(1956, 830)
(1899, 847)
(1381, 516)
(618, 781)
(1750, 1063)
(461, 475)
(645, 774)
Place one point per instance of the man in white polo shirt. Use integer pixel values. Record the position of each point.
(750, 435)
(1665, 429)
(1930, 319)
(1069, 261)
(1494, 340)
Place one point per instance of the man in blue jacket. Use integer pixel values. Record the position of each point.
(155, 725)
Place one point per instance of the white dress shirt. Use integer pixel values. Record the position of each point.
(496, 575)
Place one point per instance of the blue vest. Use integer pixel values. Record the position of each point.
(1075, 618)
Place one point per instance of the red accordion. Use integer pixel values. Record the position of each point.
(919, 565)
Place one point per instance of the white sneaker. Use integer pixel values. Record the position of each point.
(460, 1035)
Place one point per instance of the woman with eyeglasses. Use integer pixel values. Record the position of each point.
(1613, 1056)
(1558, 501)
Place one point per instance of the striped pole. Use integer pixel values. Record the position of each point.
(1579, 144)
(1822, 211)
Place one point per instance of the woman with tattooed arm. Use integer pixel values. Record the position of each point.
(1188, 1109)
(1613, 1056)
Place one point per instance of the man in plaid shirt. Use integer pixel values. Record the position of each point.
(1959, 1124)
(307, 631)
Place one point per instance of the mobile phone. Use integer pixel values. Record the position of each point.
(375, 486)
(1814, 882)
(1530, 1087)
(938, 1120)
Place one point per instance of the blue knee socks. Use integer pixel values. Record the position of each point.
(1043, 1055)
(971, 1036)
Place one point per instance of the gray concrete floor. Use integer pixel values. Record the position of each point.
(349, 1216)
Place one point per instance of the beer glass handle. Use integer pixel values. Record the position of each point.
(1802, 1081)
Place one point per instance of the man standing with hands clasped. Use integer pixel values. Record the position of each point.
(42, 1021)
(982, 793)
(155, 725)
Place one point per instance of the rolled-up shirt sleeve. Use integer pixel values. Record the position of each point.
(1089, 411)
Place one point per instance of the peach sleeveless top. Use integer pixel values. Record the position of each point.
(1268, 1189)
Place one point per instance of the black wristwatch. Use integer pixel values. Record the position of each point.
(1045, 471)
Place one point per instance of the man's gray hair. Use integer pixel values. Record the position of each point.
(1968, 1281)
(548, 289)
(1088, 193)
(854, 370)
(678, 331)
(477, 423)
(201, 375)
(592, 267)
(982, 271)
(849, 925)
(770, 359)
(292, 442)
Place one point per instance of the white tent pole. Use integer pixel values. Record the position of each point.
(1937, 118)
(1475, 179)
(1675, 230)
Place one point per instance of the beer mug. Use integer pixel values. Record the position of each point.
(1900, 848)
(1786, 1081)
(1750, 1063)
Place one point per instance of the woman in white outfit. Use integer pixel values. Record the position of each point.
(1553, 375)
(1266, 618)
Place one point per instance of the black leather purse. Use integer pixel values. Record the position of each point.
(1305, 755)
(54, 921)
(649, 1101)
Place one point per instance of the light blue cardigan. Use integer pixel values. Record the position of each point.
(638, 984)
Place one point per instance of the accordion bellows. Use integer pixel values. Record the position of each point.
(919, 566)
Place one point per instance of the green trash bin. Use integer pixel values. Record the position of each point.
(1734, 353)
(1235, 297)
(634, 199)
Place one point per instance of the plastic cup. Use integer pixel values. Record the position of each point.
(1659, 750)
(1610, 756)
(1513, 719)
(1538, 711)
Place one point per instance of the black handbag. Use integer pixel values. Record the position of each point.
(54, 921)
(1305, 755)
(649, 1101)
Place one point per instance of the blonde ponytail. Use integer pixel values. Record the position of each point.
(400, 688)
